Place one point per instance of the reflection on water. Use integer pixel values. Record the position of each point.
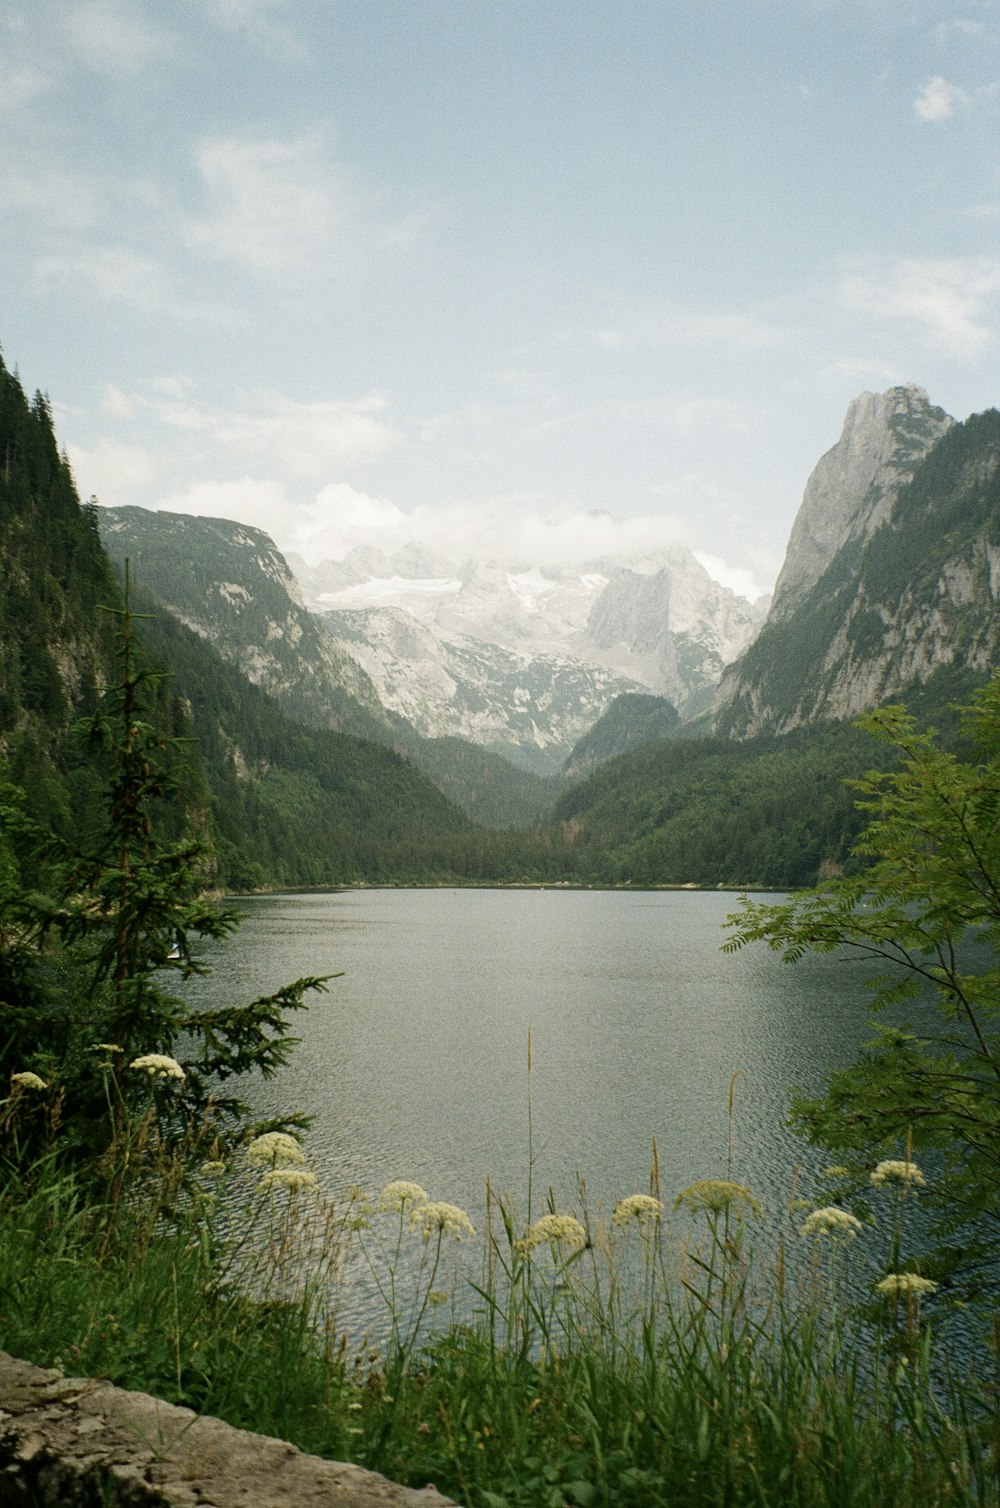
(414, 1064)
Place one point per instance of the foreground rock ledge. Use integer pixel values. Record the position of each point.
(72, 1442)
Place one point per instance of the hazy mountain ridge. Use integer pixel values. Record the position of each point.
(531, 708)
(464, 648)
(630, 722)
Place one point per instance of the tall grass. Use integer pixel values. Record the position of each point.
(641, 1357)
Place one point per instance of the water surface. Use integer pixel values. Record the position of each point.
(414, 1064)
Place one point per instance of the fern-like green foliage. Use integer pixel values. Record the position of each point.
(925, 911)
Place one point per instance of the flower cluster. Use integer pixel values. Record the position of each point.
(27, 1080)
(288, 1178)
(905, 1282)
(159, 1066)
(716, 1196)
(396, 1195)
(831, 1221)
(895, 1170)
(564, 1230)
(638, 1207)
(448, 1219)
(275, 1149)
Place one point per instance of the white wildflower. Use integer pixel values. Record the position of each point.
(895, 1170)
(400, 1193)
(275, 1149)
(27, 1080)
(159, 1066)
(435, 1215)
(831, 1221)
(716, 1196)
(639, 1207)
(905, 1282)
(564, 1230)
(288, 1178)
(213, 1168)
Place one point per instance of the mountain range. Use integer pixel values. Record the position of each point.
(524, 660)
(518, 664)
(454, 663)
(311, 699)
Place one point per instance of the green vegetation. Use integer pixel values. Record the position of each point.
(149, 1234)
(926, 906)
(770, 811)
(643, 1358)
(640, 1360)
(293, 805)
(83, 998)
(631, 721)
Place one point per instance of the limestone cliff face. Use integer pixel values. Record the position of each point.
(913, 590)
(670, 627)
(855, 484)
(530, 707)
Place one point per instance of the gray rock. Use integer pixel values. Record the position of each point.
(854, 485)
(80, 1443)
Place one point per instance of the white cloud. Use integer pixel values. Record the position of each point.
(310, 439)
(249, 500)
(111, 272)
(948, 301)
(59, 200)
(274, 206)
(113, 471)
(115, 404)
(21, 85)
(961, 26)
(679, 327)
(259, 19)
(120, 275)
(109, 37)
(738, 579)
(314, 438)
(938, 100)
(514, 529)
(288, 207)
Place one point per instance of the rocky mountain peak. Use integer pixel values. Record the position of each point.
(854, 485)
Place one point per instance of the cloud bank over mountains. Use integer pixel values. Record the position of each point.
(479, 273)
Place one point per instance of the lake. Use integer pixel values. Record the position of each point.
(414, 1064)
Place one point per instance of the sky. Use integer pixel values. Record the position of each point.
(534, 280)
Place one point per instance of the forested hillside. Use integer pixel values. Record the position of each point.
(232, 585)
(293, 805)
(629, 722)
(56, 645)
(278, 803)
(771, 812)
